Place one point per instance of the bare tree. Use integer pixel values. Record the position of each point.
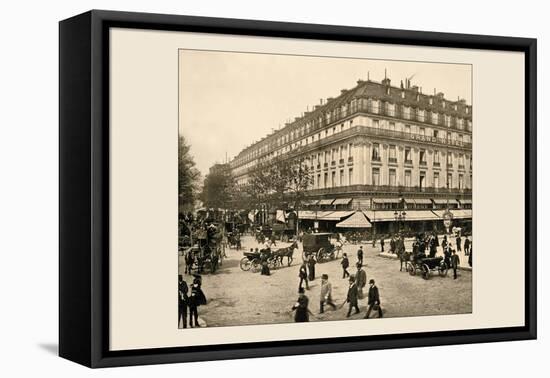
(188, 177)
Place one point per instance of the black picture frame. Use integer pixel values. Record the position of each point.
(84, 187)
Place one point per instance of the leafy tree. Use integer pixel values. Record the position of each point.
(188, 176)
(219, 187)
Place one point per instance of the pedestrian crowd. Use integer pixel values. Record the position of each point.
(356, 289)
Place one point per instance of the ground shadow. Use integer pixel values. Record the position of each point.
(52, 348)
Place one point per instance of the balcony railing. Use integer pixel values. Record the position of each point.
(376, 158)
(341, 162)
(437, 164)
(461, 166)
(408, 162)
(392, 160)
(372, 131)
(423, 162)
(350, 159)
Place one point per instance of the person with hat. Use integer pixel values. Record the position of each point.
(360, 280)
(345, 265)
(374, 300)
(455, 263)
(300, 308)
(351, 297)
(182, 300)
(311, 267)
(326, 293)
(360, 255)
(196, 299)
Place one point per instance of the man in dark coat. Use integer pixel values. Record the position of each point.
(351, 297)
(302, 273)
(470, 257)
(360, 280)
(182, 300)
(301, 309)
(311, 267)
(455, 263)
(433, 247)
(458, 243)
(374, 300)
(360, 255)
(196, 299)
(382, 242)
(345, 265)
(392, 245)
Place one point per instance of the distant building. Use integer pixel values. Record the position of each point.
(379, 148)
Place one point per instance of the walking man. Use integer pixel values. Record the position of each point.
(303, 276)
(360, 280)
(360, 255)
(458, 243)
(182, 300)
(455, 263)
(345, 265)
(351, 297)
(196, 299)
(326, 293)
(300, 308)
(374, 300)
(382, 244)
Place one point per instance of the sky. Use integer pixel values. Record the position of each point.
(229, 100)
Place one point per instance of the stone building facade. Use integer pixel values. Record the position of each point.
(378, 147)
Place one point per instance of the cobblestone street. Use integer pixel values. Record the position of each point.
(236, 297)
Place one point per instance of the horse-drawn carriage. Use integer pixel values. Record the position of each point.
(274, 258)
(425, 265)
(206, 253)
(320, 246)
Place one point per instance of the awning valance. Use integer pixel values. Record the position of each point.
(357, 220)
(465, 201)
(337, 215)
(326, 201)
(341, 201)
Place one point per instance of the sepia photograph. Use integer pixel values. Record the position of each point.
(317, 188)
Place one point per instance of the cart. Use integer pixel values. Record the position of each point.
(320, 246)
(426, 265)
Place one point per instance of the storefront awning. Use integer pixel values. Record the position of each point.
(410, 215)
(309, 202)
(419, 201)
(357, 220)
(336, 215)
(326, 201)
(386, 200)
(457, 213)
(342, 201)
(465, 201)
(442, 201)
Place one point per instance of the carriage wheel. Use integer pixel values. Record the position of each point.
(442, 269)
(425, 271)
(245, 264)
(256, 265)
(320, 254)
(273, 263)
(411, 269)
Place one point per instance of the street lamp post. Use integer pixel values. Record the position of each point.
(399, 217)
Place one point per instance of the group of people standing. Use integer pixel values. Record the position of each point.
(355, 292)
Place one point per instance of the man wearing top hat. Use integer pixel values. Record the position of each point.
(374, 300)
(351, 297)
(360, 280)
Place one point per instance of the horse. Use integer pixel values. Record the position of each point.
(288, 252)
(404, 257)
